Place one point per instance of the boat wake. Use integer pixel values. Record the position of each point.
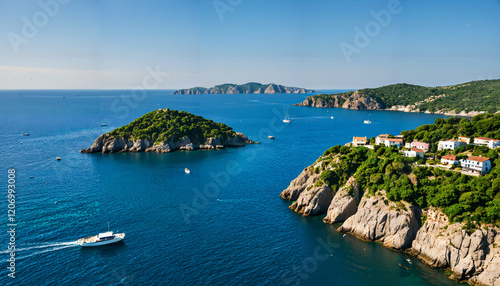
(40, 249)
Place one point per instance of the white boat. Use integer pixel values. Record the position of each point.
(270, 137)
(367, 121)
(101, 239)
(331, 117)
(287, 119)
(187, 171)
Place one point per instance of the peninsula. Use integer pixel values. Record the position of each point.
(166, 130)
(468, 99)
(439, 201)
(251, 87)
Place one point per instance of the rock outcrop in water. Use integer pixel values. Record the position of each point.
(109, 144)
(251, 87)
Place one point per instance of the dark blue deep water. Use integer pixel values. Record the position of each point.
(224, 224)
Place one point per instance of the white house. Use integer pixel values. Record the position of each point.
(476, 164)
(414, 152)
(494, 143)
(420, 145)
(464, 139)
(381, 139)
(358, 141)
(449, 160)
(450, 144)
(389, 142)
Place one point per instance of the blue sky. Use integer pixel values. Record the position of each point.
(321, 44)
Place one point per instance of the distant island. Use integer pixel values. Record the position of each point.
(166, 130)
(251, 87)
(436, 197)
(468, 99)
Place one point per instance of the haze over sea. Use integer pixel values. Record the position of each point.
(241, 233)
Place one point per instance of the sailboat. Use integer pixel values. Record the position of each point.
(287, 119)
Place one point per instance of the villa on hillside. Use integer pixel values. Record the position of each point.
(420, 145)
(414, 152)
(381, 139)
(450, 144)
(449, 160)
(488, 142)
(358, 141)
(389, 142)
(476, 164)
(464, 139)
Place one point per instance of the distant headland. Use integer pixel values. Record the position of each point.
(166, 130)
(467, 99)
(251, 87)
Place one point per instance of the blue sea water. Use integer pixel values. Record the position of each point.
(223, 224)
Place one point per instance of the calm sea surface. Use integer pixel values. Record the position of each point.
(224, 224)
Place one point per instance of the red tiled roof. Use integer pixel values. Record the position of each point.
(483, 138)
(478, 158)
(450, 157)
(417, 150)
(395, 139)
(359, 139)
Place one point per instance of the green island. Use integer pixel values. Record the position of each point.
(166, 130)
(251, 87)
(166, 125)
(464, 99)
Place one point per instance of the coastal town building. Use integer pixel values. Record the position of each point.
(381, 139)
(488, 142)
(358, 141)
(449, 160)
(420, 145)
(476, 164)
(414, 152)
(389, 142)
(464, 139)
(450, 144)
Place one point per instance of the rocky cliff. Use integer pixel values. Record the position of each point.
(344, 204)
(377, 219)
(349, 100)
(470, 255)
(248, 88)
(109, 144)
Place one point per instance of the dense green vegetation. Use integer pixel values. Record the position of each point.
(465, 198)
(165, 125)
(473, 96)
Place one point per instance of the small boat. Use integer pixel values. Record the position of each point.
(331, 117)
(101, 239)
(287, 119)
(409, 261)
(58, 158)
(31, 177)
(270, 137)
(104, 125)
(187, 171)
(367, 121)
(26, 134)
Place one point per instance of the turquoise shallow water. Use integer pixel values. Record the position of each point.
(224, 224)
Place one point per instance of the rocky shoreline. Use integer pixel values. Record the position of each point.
(249, 88)
(471, 256)
(358, 101)
(109, 144)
